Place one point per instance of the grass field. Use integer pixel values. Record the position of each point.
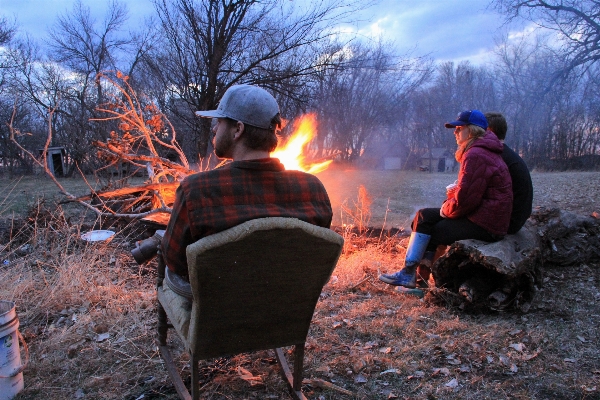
(395, 195)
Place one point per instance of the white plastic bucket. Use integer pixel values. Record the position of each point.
(11, 370)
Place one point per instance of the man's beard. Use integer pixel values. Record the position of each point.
(223, 145)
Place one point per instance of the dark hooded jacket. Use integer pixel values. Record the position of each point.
(522, 189)
(484, 193)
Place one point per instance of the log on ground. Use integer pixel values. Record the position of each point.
(507, 274)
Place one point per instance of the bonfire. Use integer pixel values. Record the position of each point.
(144, 135)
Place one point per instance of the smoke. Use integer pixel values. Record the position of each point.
(396, 195)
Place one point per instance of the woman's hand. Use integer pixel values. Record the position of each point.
(451, 189)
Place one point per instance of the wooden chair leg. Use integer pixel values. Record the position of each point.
(162, 328)
(162, 315)
(286, 373)
(298, 366)
(160, 268)
(195, 384)
(165, 353)
(162, 324)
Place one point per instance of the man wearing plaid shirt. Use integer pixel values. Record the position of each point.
(252, 186)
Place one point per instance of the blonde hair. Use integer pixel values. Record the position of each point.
(475, 132)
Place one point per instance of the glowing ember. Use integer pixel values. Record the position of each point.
(291, 154)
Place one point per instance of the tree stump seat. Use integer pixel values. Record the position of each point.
(507, 274)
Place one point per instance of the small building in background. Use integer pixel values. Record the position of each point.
(439, 159)
(55, 157)
(384, 155)
(392, 163)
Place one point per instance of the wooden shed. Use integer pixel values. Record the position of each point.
(55, 157)
(439, 159)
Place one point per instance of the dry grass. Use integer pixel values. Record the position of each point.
(69, 293)
(87, 312)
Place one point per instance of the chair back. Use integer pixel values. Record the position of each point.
(255, 286)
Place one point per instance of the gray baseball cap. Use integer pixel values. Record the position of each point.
(246, 103)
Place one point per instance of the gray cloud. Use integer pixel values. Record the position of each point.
(444, 29)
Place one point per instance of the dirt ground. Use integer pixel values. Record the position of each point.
(87, 314)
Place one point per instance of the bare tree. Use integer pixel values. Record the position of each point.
(522, 72)
(7, 30)
(85, 46)
(43, 86)
(210, 45)
(577, 21)
(15, 105)
(364, 96)
(12, 159)
(68, 81)
(454, 88)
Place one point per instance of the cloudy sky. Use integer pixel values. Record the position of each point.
(444, 29)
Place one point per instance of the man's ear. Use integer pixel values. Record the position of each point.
(239, 130)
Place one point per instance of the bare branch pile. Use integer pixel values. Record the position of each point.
(144, 141)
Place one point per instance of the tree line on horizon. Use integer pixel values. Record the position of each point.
(370, 101)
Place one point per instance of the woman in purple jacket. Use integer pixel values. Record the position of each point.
(478, 207)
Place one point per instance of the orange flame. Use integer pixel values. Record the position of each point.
(291, 153)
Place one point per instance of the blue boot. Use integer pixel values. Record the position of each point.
(407, 276)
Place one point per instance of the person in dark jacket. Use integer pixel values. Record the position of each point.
(478, 206)
(519, 174)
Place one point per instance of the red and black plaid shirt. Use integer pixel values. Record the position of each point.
(212, 201)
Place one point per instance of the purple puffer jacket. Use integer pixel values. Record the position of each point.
(484, 193)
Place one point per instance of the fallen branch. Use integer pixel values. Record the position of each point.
(365, 278)
(320, 383)
(131, 112)
(142, 126)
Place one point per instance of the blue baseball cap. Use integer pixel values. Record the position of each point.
(469, 117)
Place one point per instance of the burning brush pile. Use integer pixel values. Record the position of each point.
(152, 201)
(147, 142)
